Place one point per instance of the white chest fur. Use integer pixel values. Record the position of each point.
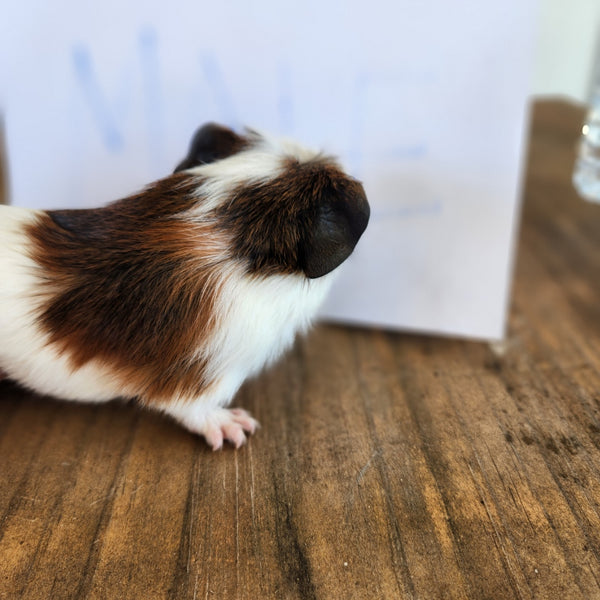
(259, 317)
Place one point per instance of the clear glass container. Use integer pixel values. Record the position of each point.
(586, 173)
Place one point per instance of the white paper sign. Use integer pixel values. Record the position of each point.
(423, 101)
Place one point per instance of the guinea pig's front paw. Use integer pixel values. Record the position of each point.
(219, 424)
(228, 424)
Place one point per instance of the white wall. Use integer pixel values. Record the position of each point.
(568, 41)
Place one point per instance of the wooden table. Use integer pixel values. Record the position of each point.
(388, 465)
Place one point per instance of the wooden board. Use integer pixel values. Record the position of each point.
(387, 466)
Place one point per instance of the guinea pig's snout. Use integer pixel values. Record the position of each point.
(342, 220)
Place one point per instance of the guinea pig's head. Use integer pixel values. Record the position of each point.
(287, 208)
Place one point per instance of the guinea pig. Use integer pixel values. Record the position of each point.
(175, 295)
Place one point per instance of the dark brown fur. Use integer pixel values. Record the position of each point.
(274, 223)
(127, 285)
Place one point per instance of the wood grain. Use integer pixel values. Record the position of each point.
(388, 465)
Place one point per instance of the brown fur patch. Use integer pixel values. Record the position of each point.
(131, 285)
(274, 223)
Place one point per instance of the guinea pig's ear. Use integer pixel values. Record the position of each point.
(341, 220)
(210, 143)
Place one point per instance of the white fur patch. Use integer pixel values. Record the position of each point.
(259, 318)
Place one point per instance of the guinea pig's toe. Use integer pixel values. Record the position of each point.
(243, 418)
(234, 433)
(214, 437)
